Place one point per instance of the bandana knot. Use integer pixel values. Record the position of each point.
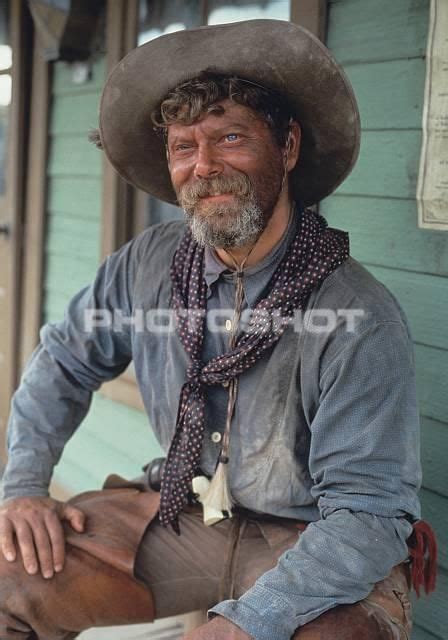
(194, 371)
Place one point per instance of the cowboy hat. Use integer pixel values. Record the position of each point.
(276, 54)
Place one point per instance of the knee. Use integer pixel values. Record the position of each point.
(13, 625)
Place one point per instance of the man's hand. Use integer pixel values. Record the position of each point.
(34, 525)
(218, 629)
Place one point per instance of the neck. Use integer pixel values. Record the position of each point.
(273, 233)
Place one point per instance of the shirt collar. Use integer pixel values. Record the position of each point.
(214, 268)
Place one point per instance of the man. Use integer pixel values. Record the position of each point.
(287, 381)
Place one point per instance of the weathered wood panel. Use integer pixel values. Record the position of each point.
(75, 114)
(432, 381)
(61, 223)
(421, 634)
(55, 305)
(431, 613)
(30, 316)
(427, 312)
(435, 512)
(72, 155)
(379, 30)
(120, 434)
(69, 236)
(72, 477)
(383, 45)
(68, 273)
(112, 439)
(74, 190)
(434, 457)
(387, 165)
(63, 78)
(75, 197)
(390, 94)
(384, 232)
(85, 466)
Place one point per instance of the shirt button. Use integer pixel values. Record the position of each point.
(216, 437)
(228, 325)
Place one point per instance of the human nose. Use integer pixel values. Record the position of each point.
(207, 164)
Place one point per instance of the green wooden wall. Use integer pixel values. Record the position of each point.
(382, 47)
(113, 438)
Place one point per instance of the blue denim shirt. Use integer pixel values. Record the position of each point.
(325, 427)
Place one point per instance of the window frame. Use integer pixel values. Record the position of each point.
(35, 206)
(21, 32)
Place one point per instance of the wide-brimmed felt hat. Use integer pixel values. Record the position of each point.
(276, 54)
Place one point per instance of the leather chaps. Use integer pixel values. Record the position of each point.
(114, 574)
(97, 586)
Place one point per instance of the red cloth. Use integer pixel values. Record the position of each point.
(423, 552)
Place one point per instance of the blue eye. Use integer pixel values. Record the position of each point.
(182, 147)
(232, 137)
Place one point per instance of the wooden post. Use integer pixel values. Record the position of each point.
(12, 244)
(121, 32)
(35, 206)
(311, 14)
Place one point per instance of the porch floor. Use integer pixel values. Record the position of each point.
(154, 631)
(166, 629)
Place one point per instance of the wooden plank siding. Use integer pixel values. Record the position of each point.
(366, 32)
(421, 634)
(389, 234)
(434, 463)
(113, 437)
(382, 46)
(74, 189)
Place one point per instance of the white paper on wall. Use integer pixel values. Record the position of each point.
(432, 189)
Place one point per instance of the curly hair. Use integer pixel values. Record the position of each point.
(190, 100)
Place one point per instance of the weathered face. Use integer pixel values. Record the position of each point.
(227, 171)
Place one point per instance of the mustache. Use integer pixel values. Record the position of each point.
(239, 185)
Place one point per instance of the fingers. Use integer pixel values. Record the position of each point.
(43, 539)
(33, 527)
(7, 540)
(56, 535)
(26, 546)
(75, 517)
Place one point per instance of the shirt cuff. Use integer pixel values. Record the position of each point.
(260, 613)
(6, 493)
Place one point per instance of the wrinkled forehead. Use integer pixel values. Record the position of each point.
(220, 115)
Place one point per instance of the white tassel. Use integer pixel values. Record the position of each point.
(218, 495)
(214, 496)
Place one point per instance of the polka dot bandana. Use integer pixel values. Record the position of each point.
(313, 254)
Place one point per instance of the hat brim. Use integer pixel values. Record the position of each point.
(273, 53)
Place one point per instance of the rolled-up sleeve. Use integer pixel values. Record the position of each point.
(365, 467)
(72, 360)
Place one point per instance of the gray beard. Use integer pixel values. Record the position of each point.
(223, 230)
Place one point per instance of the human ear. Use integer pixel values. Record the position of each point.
(292, 146)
